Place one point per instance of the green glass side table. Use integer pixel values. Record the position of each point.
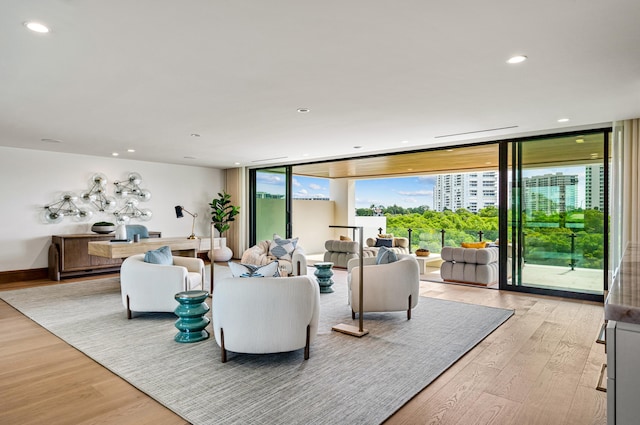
(323, 274)
(191, 320)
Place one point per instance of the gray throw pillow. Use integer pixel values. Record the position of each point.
(386, 256)
(252, 270)
(161, 255)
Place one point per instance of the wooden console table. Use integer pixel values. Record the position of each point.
(117, 250)
(69, 255)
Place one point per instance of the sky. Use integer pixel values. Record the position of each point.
(407, 192)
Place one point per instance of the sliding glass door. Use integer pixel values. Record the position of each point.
(270, 203)
(557, 217)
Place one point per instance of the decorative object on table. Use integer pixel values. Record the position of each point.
(121, 231)
(222, 213)
(65, 207)
(422, 252)
(191, 312)
(179, 210)
(96, 196)
(103, 227)
(323, 274)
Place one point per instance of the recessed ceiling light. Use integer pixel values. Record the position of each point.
(189, 157)
(305, 154)
(409, 169)
(517, 59)
(563, 120)
(131, 150)
(579, 140)
(488, 163)
(449, 150)
(594, 155)
(357, 147)
(236, 163)
(115, 154)
(304, 110)
(404, 142)
(195, 135)
(36, 27)
(50, 141)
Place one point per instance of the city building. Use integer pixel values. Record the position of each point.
(472, 191)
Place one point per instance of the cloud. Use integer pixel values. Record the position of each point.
(315, 186)
(416, 193)
(296, 183)
(269, 178)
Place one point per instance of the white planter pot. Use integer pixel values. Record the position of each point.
(221, 253)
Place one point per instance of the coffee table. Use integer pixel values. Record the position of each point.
(433, 260)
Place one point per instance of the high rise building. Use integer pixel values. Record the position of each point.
(472, 191)
(594, 187)
(550, 193)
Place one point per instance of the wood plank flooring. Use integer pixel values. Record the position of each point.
(540, 367)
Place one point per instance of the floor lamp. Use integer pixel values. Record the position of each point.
(350, 329)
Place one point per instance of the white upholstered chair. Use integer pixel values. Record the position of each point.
(259, 255)
(265, 314)
(386, 287)
(147, 287)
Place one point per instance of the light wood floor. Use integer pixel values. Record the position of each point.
(540, 367)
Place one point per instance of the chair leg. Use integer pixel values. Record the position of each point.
(409, 309)
(222, 349)
(353, 315)
(128, 309)
(306, 347)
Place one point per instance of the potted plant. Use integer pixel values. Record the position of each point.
(222, 213)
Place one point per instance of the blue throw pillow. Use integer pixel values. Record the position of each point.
(161, 255)
(384, 242)
(386, 256)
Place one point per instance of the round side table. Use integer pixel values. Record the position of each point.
(323, 274)
(191, 320)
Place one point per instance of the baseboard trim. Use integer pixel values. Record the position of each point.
(21, 275)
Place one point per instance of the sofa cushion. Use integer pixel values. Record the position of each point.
(161, 255)
(386, 256)
(473, 244)
(387, 242)
(282, 248)
(251, 270)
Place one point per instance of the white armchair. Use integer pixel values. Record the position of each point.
(265, 314)
(259, 255)
(152, 287)
(386, 287)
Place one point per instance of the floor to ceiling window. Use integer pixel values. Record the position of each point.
(270, 203)
(558, 202)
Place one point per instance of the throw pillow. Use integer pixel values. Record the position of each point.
(161, 255)
(345, 238)
(251, 270)
(386, 236)
(384, 242)
(282, 248)
(473, 244)
(386, 256)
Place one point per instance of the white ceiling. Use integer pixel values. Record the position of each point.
(146, 74)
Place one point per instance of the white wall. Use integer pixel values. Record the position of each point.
(311, 220)
(31, 179)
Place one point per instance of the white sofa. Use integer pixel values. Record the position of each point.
(340, 252)
(259, 255)
(399, 245)
(265, 315)
(147, 287)
(469, 265)
(386, 287)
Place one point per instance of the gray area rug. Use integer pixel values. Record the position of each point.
(346, 380)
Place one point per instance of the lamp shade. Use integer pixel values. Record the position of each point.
(179, 211)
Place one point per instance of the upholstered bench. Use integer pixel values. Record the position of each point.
(469, 265)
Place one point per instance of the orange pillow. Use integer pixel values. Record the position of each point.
(473, 244)
(345, 238)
